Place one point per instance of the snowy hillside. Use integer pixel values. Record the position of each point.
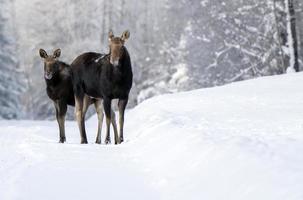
(240, 141)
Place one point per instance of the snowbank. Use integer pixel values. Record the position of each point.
(239, 141)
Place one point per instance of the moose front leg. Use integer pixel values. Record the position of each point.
(107, 109)
(61, 108)
(122, 105)
(113, 120)
(99, 110)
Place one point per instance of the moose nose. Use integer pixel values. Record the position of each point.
(48, 75)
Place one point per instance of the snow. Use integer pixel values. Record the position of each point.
(239, 141)
(180, 76)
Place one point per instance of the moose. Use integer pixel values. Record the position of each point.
(59, 88)
(106, 76)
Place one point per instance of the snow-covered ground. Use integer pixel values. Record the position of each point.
(240, 141)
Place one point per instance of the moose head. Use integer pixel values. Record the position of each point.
(51, 65)
(116, 46)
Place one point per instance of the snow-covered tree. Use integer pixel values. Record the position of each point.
(292, 40)
(11, 79)
(174, 45)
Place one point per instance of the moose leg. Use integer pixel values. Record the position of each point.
(99, 110)
(113, 120)
(86, 103)
(122, 105)
(80, 118)
(61, 109)
(107, 109)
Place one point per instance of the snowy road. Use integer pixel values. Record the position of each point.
(240, 141)
(35, 166)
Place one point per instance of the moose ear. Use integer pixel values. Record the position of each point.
(43, 53)
(57, 53)
(110, 34)
(125, 35)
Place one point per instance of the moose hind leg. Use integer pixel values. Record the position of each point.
(86, 102)
(100, 114)
(122, 105)
(80, 118)
(61, 108)
(107, 109)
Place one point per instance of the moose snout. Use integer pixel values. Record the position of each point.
(48, 75)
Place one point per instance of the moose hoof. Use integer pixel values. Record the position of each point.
(107, 141)
(98, 141)
(62, 140)
(83, 141)
(121, 140)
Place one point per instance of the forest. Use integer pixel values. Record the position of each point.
(174, 45)
(213, 111)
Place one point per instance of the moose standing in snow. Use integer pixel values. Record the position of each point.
(103, 76)
(59, 88)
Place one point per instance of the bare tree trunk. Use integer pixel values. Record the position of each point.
(299, 23)
(122, 12)
(104, 30)
(145, 26)
(278, 35)
(292, 35)
(110, 15)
